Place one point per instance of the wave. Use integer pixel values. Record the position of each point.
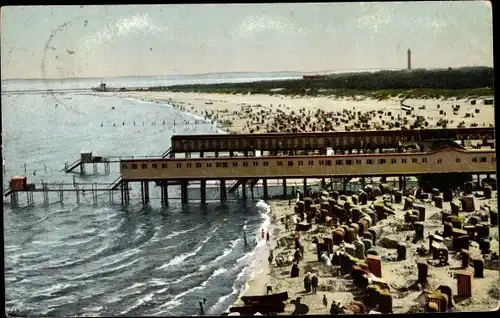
(177, 233)
(181, 258)
(175, 301)
(225, 253)
(263, 207)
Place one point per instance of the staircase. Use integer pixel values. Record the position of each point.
(167, 153)
(73, 166)
(116, 183)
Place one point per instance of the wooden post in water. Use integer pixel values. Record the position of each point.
(94, 193)
(77, 194)
(184, 192)
(284, 188)
(61, 193)
(146, 192)
(264, 185)
(203, 191)
(223, 194)
(107, 168)
(45, 194)
(14, 199)
(122, 193)
(244, 189)
(29, 198)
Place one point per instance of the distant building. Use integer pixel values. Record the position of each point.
(409, 59)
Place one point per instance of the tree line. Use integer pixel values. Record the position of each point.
(464, 78)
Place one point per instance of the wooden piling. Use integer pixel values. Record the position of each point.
(203, 191)
(264, 185)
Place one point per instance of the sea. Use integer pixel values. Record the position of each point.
(95, 257)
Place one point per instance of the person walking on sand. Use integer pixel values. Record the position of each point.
(268, 237)
(314, 284)
(245, 238)
(262, 234)
(325, 301)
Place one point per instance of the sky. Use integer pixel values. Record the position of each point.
(148, 40)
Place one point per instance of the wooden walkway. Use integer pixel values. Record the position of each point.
(70, 167)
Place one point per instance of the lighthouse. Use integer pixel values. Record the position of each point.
(409, 59)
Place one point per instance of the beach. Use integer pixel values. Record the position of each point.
(400, 275)
(262, 113)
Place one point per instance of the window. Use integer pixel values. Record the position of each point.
(338, 162)
(311, 163)
(218, 164)
(188, 165)
(265, 163)
(209, 165)
(424, 160)
(154, 165)
(414, 160)
(440, 160)
(369, 161)
(328, 162)
(474, 159)
(393, 160)
(483, 159)
(235, 164)
(134, 166)
(179, 165)
(321, 162)
(124, 166)
(255, 164)
(164, 166)
(245, 164)
(290, 163)
(280, 163)
(224, 165)
(348, 162)
(144, 166)
(301, 163)
(198, 165)
(457, 160)
(403, 161)
(381, 161)
(358, 162)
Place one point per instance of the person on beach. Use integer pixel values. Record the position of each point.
(262, 234)
(325, 301)
(245, 238)
(307, 283)
(314, 284)
(268, 237)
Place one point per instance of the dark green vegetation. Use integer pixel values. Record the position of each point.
(420, 83)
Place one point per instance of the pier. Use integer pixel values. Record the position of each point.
(442, 162)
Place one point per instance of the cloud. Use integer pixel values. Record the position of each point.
(374, 17)
(251, 26)
(136, 25)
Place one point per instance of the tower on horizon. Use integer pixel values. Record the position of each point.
(409, 59)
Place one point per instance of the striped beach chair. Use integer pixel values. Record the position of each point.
(464, 284)
(374, 265)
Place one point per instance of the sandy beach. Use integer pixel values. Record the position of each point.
(262, 113)
(400, 275)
